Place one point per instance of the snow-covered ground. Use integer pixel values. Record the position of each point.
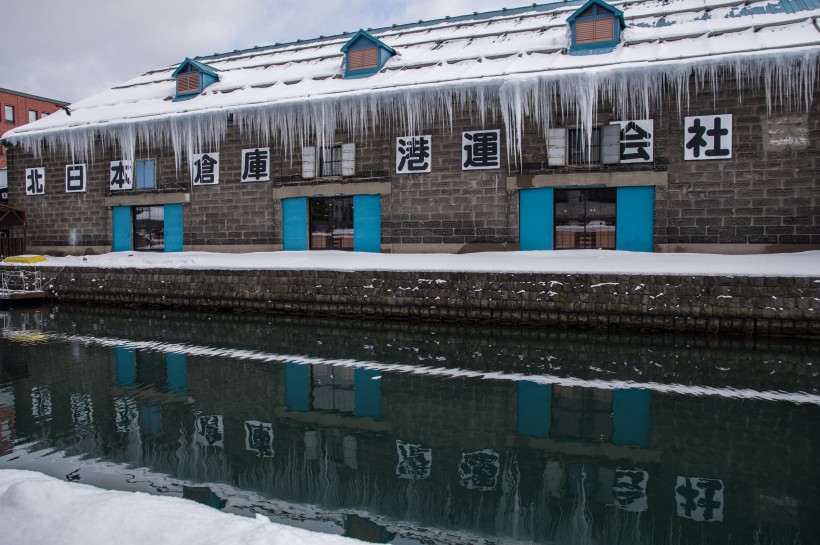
(575, 261)
(36, 509)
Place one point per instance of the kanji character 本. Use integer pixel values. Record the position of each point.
(637, 140)
(711, 137)
(206, 169)
(120, 176)
(35, 181)
(413, 154)
(75, 178)
(480, 149)
(255, 165)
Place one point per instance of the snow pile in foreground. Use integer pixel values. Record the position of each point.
(566, 261)
(37, 509)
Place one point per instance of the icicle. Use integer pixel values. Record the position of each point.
(788, 80)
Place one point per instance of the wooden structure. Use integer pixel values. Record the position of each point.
(12, 231)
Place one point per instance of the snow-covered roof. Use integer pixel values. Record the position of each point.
(511, 52)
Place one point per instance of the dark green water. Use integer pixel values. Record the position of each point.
(421, 434)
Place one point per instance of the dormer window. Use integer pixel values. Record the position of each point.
(596, 28)
(365, 55)
(192, 77)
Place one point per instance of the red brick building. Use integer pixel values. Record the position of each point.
(18, 109)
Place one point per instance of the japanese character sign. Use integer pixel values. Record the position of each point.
(255, 165)
(75, 178)
(415, 461)
(125, 414)
(637, 144)
(209, 431)
(120, 176)
(479, 470)
(699, 499)
(630, 489)
(35, 181)
(205, 169)
(708, 137)
(413, 154)
(259, 438)
(82, 410)
(480, 150)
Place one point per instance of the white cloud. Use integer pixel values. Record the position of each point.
(71, 50)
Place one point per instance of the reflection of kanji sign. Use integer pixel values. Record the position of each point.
(255, 165)
(708, 137)
(413, 154)
(82, 410)
(479, 470)
(415, 461)
(699, 499)
(630, 489)
(205, 169)
(480, 150)
(209, 431)
(120, 176)
(637, 144)
(35, 181)
(259, 438)
(41, 403)
(75, 176)
(125, 414)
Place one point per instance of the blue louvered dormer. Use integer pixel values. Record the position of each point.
(365, 55)
(192, 77)
(596, 28)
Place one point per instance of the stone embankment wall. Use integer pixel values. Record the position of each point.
(739, 305)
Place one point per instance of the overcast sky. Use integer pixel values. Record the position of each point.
(71, 49)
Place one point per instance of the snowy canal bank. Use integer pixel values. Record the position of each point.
(742, 295)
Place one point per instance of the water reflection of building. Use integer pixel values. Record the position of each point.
(499, 457)
(7, 430)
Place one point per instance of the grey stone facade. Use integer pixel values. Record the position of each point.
(765, 198)
(749, 306)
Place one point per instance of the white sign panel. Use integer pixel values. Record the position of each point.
(708, 137)
(480, 150)
(120, 178)
(630, 489)
(205, 169)
(255, 165)
(75, 178)
(259, 438)
(479, 470)
(35, 181)
(637, 141)
(415, 461)
(699, 499)
(209, 431)
(413, 154)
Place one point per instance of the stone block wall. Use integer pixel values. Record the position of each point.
(768, 194)
(741, 305)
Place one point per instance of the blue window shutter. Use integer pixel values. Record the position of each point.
(176, 373)
(150, 418)
(630, 417)
(146, 174)
(367, 385)
(534, 409)
(635, 221)
(297, 386)
(173, 227)
(367, 223)
(121, 224)
(126, 368)
(535, 218)
(294, 224)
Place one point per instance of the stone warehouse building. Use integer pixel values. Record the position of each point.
(675, 125)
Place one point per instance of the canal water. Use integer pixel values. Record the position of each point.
(417, 434)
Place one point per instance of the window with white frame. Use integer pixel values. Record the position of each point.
(32, 116)
(9, 113)
(329, 161)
